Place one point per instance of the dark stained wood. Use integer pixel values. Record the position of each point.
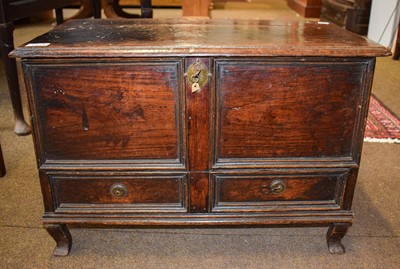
(304, 190)
(62, 236)
(244, 219)
(126, 110)
(180, 37)
(272, 137)
(198, 118)
(350, 188)
(334, 237)
(253, 188)
(48, 198)
(144, 190)
(275, 108)
(199, 192)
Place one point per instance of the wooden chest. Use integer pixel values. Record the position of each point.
(198, 122)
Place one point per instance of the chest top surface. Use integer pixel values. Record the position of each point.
(184, 37)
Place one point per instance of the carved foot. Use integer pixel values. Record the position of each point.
(61, 235)
(21, 127)
(336, 247)
(334, 237)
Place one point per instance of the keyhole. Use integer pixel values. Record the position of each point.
(196, 77)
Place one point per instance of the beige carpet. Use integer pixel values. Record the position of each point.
(372, 242)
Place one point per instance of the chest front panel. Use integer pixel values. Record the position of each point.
(251, 112)
(110, 110)
(287, 109)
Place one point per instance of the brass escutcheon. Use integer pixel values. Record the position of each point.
(197, 73)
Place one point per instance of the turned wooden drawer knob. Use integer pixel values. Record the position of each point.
(276, 187)
(118, 190)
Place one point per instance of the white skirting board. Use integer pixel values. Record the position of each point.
(382, 140)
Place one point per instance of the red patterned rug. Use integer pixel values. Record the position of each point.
(382, 125)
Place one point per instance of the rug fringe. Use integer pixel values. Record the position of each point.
(382, 140)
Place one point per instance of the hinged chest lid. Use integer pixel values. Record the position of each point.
(182, 37)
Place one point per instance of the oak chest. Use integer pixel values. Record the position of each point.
(198, 122)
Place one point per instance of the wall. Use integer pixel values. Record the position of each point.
(382, 24)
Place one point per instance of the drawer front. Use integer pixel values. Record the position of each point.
(106, 111)
(140, 193)
(280, 191)
(268, 110)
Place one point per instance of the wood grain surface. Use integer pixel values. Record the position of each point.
(286, 108)
(184, 37)
(125, 110)
(298, 188)
(92, 191)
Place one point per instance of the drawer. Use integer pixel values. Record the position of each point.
(290, 190)
(283, 110)
(140, 193)
(111, 111)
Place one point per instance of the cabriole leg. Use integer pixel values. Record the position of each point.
(336, 232)
(6, 46)
(62, 236)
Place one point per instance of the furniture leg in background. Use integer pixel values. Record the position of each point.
(113, 9)
(7, 45)
(2, 165)
(96, 9)
(306, 8)
(201, 8)
(86, 10)
(10, 11)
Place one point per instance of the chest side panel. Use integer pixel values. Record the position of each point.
(287, 109)
(101, 110)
